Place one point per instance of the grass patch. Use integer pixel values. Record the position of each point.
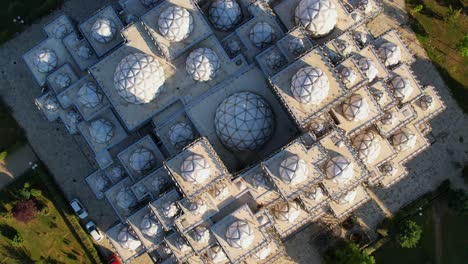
(54, 236)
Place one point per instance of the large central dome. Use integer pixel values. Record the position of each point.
(316, 16)
(138, 78)
(244, 121)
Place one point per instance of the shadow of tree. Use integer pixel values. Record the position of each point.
(17, 254)
(8, 231)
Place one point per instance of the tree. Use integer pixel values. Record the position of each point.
(24, 210)
(348, 253)
(409, 234)
(458, 201)
(462, 46)
(418, 8)
(17, 240)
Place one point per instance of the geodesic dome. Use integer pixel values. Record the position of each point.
(296, 46)
(310, 85)
(401, 87)
(220, 192)
(216, 254)
(404, 139)
(142, 160)
(343, 47)
(202, 64)
(355, 108)
(139, 78)
(274, 60)
(101, 131)
(348, 198)
(72, 120)
(262, 35)
(360, 37)
(225, 14)
(390, 53)
(100, 182)
(51, 104)
(263, 253)
(293, 170)
(201, 234)
(287, 211)
(128, 240)
(125, 198)
(244, 121)
(195, 169)
(348, 75)
(233, 46)
(366, 6)
(315, 194)
(197, 207)
(387, 118)
(425, 102)
(368, 68)
(181, 134)
(181, 244)
(377, 94)
(169, 209)
(45, 60)
(62, 80)
(158, 184)
(103, 30)
(89, 95)
(368, 147)
(83, 52)
(60, 31)
(388, 169)
(116, 173)
(259, 180)
(149, 226)
(340, 169)
(316, 16)
(239, 234)
(175, 23)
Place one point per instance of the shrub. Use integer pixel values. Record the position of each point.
(349, 253)
(452, 15)
(24, 211)
(418, 8)
(18, 240)
(3, 155)
(36, 192)
(409, 234)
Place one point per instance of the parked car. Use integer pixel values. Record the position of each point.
(93, 231)
(78, 208)
(113, 259)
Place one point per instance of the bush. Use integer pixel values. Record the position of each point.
(24, 211)
(452, 15)
(3, 155)
(418, 8)
(409, 234)
(462, 47)
(18, 240)
(36, 192)
(349, 253)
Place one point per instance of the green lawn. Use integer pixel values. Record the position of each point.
(439, 39)
(55, 237)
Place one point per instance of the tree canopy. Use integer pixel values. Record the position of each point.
(349, 253)
(409, 234)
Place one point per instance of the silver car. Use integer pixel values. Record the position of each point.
(78, 208)
(93, 231)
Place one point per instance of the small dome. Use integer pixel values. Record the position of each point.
(125, 198)
(390, 53)
(378, 95)
(388, 118)
(165, 249)
(368, 68)
(401, 88)
(181, 244)
(239, 234)
(296, 46)
(101, 131)
(159, 184)
(220, 192)
(103, 30)
(340, 169)
(72, 119)
(116, 173)
(360, 37)
(225, 14)
(315, 194)
(287, 211)
(142, 160)
(274, 60)
(348, 198)
(127, 240)
(60, 31)
(201, 234)
(310, 85)
(343, 47)
(84, 52)
(100, 182)
(348, 75)
(293, 170)
(233, 46)
(62, 80)
(259, 180)
(181, 134)
(202, 64)
(195, 169)
(404, 139)
(388, 169)
(355, 108)
(366, 5)
(149, 226)
(368, 147)
(263, 253)
(262, 35)
(89, 96)
(316, 16)
(425, 102)
(45, 60)
(216, 255)
(197, 207)
(244, 122)
(139, 78)
(51, 104)
(175, 23)
(170, 209)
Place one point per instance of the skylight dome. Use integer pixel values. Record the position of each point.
(339, 169)
(348, 198)
(201, 234)
(426, 102)
(287, 211)
(262, 35)
(390, 53)
(170, 209)
(404, 139)
(195, 169)
(216, 254)
(202, 64)
(401, 88)
(225, 14)
(103, 30)
(128, 240)
(181, 134)
(125, 198)
(62, 80)
(101, 131)
(348, 75)
(369, 68)
(316, 16)
(293, 170)
(89, 95)
(368, 147)
(310, 85)
(149, 226)
(142, 160)
(355, 108)
(239, 234)
(45, 60)
(175, 23)
(296, 46)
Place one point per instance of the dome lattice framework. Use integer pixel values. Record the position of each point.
(368, 146)
(355, 108)
(45, 60)
(141, 160)
(202, 64)
(175, 23)
(195, 169)
(401, 87)
(103, 30)
(293, 170)
(181, 134)
(262, 34)
(339, 169)
(390, 53)
(101, 131)
(225, 14)
(316, 16)
(240, 234)
(310, 85)
(89, 95)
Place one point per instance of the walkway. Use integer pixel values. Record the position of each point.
(16, 164)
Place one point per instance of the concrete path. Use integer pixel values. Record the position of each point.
(16, 164)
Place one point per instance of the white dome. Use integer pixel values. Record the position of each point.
(355, 108)
(360, 37)
(62, 80)
(368, 68)
(45, 60)
(340, 169)
(139, 78)
(60, 31)
(287, 211)
(181, 244)
(343, 47)
(263, 253)
(348, 198)
(368, 147)
(89, 95)
(201, 234)
(274, 60)
(239, 234)
(378, 95)
(425, 102)
(181, 134)
(202, 64)
(225, 14)
(170, 209)
(175, 23)
(216, 255)
(197, 207)
(348, 75)
(315, 194)
(158, 184)
(296, 46)
(195, 169)
(244, 121)
(259, 180)
(366, 5)
(401, 87)
(84, 52)
(51, 104)
(149, 226)
(310, 85)
(293, 170)
(221, 192)
(317, 16)
(390, 53)
(101, 131)
(103, 30)
(116, 173)
(262, 35)
(388, 169)
(141, 160)
(128, 240)
(404, 139)
(125, 198)
(387, 118)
